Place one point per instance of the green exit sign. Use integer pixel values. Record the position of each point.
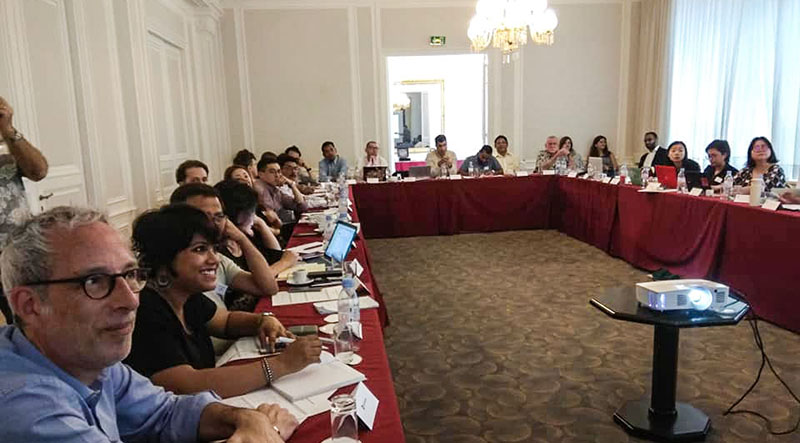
(438, 40)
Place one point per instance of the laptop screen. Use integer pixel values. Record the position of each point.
(341, 241)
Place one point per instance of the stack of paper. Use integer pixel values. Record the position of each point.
(242, 349)
(301, 409)
(317, 378)
(284, 298)
(330, 307)
(308, 248)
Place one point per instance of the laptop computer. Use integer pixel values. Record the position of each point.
(597, 164)
(378, 172)
(419, 171)
(667, 176)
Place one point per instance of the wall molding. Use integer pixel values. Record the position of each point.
(624, 76)
(355, 81)
(244, 78)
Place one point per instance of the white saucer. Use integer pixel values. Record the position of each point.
(332, 318)
(355, 360)
(291, 282)
(327, 329)
(328, 440)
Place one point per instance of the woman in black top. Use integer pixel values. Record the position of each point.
(677, 157)
(600, 149)
(175, 320)
(719, 154)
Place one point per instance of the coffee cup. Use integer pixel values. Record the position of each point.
(300, 276)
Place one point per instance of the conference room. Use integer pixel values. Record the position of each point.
(388, 221)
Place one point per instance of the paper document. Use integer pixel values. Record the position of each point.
(317, 378)
(301, 409)
(284, 298)
(330, 307)
(242, 349)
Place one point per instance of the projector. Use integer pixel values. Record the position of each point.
(674, 295)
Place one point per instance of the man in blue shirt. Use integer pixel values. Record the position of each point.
(483, 161)
(331, 165)
(73, 287)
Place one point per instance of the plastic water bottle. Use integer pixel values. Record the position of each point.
(561, 165)
(623, 174)
(486, 170)
(327, 229)
(349, 320)
(756, 191)
(645, 176)
(727, 185)
(681, 181)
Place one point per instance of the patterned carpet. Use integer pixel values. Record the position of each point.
(493, 340)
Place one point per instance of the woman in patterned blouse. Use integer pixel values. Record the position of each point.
(761, 162)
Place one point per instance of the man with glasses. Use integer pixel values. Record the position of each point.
(289, 171)
(73, 285)
(270, 197)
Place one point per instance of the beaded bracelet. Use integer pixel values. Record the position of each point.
(267, 371)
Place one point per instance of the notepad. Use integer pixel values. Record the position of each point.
(317, 378)
(330, 307)
(284, 298)
(301, 409)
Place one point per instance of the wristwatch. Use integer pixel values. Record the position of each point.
(267, 314)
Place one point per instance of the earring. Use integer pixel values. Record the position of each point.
(163, 280)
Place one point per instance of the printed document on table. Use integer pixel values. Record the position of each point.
(317, 378)
(331, 307)
(301, 409)
(284, 298)
(242, 349)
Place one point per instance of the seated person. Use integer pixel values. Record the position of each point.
(73, 285)
(191, 171)
(239, 203)
(372, 158)
(270, 197)
(175, 321)
(440, 158)
(258, 282)
(547, 158)
(508, 161)
(719, 154)
(656, 155)
(574, 159)
(761, 162)
(290, 171)
(304, 173)
(677, 158)
(331, 166)
(483, 161)
(238, 173)
(600, 149)
(247, 160)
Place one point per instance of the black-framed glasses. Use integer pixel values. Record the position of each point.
(99, 286)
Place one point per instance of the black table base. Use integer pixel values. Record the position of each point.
(687, 424)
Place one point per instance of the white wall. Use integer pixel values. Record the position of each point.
(318, 72)
(88, 89)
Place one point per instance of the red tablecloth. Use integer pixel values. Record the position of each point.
(759, 258)
(388, 427)
(752, 250)
(405, 166)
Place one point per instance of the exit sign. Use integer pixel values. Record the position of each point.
(438, 40)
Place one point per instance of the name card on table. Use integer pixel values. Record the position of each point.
(410, 179)
(614, 181)
(372, 180)
(696, 192)
(771, 204)
(549, 172)
(366, 405)
(653, 186)
(742, 198)
(356, 267)
(606, 179)
(572, 174)
(521, 173)
(455, 177)
(350, 181)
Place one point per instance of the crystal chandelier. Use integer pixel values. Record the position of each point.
(504, 24)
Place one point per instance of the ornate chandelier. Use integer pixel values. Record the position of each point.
(505, 24)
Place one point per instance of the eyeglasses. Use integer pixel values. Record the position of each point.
(100, 286)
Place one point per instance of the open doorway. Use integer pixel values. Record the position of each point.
(432, 95)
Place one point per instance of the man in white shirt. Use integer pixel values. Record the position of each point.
(656, 155)
(372, 158)
(441, 158)
(508, 161)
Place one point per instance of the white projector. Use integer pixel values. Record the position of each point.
(672, 295)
